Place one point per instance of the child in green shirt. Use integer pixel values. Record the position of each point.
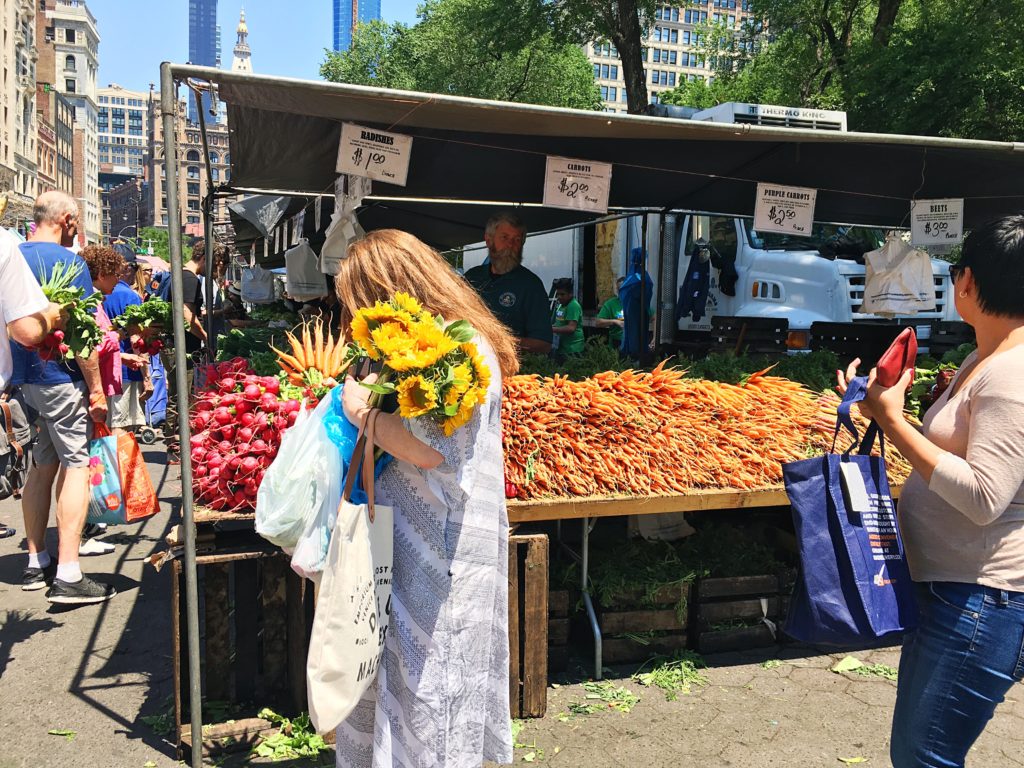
(567, 322)
(610, 317)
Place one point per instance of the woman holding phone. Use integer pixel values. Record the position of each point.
(961, 513)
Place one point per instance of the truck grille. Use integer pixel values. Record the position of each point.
(856, 291)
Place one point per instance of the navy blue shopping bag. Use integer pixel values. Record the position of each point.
(854, 584)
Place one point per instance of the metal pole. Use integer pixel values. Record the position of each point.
(169, 113)
(208, 202)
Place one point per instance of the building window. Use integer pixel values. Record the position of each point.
(227, 159)
(214, 157)
(192, 219)
(215, 174)
(614, 72)
(672, 79)
(597, 71)
(193, 187)
(193, 205)
(69, 63)
(69, 87)
(674, 37)
(672, 57)
(613, 94)
(192, 156)
(69, 35)
(656, 55)
(193, 172)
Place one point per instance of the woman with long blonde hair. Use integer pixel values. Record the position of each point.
(442, 692)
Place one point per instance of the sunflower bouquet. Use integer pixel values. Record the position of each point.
(434, 367)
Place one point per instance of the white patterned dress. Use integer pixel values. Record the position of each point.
(441, 695)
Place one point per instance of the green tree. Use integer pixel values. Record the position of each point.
(483, 48)
(623, 23)
(939, 68)
(158, 239)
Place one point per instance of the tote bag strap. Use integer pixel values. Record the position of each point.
(856, 391)
(362, 458)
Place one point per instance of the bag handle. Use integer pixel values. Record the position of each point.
(100, 429)
(12, 441)
(362, 458)
(856, 391)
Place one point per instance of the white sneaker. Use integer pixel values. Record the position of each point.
(95, 547)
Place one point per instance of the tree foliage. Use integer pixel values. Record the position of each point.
(935, 67)
(623, 23)
(493, 49)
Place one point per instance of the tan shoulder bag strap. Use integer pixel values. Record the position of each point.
(362, 458)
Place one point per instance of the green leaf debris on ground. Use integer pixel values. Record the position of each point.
(858, 667)
(295, 738)
(69, 735)
(771, 664)
(852, 760)
(674, 676)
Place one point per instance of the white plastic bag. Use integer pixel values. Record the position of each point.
(898, 280)
(303, 279)
(296, 482)
(310, 554)
(354, 603)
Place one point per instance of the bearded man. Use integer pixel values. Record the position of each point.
(514, 294)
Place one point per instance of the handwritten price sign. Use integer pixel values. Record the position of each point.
(581, 185)
(788, 210)
(937, 222)
(374, 154)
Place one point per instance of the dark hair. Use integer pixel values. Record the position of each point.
(199, 250)
(995, 253)
(562, 284)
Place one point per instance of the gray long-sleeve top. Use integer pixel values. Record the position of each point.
(967, 524)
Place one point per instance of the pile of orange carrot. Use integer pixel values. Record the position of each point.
(659, 433)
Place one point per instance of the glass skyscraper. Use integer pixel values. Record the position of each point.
(348, 13)
(203, 45)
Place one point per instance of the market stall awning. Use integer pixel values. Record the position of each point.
(285, 134)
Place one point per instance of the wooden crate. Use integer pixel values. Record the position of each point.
(745, 601)
(558, 629)
(528, 624)
(660, 630)
(256, 616)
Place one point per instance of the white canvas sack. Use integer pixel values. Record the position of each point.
(898, 280)
(303, 280)
(354, 604)
(257, 285)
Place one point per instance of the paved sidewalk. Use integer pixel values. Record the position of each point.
(96, 670)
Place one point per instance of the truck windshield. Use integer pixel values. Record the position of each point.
(830, 240)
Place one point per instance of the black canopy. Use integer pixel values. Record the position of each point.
(285, 134)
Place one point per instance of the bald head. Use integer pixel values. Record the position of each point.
(51, 207)
(56, 216)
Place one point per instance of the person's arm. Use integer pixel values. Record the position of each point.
(192, 322)
(564, 330)
(90, 368)
(573, 318)
(535, 346)
(390, 433)
(30, 330)
(606, 317)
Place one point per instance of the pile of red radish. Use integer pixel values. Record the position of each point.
(237, 423)
(144, 346)
(53, 347)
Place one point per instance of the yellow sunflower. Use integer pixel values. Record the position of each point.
(463, 416)
(481, 373)
(429, 346)
(406, 302)
(416, 397)
(369, 318)
(391, 339)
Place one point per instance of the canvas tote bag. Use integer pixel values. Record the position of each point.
(354, 604)
(854, 584)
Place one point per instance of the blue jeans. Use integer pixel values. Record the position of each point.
(956, 667)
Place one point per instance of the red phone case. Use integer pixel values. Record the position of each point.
(900, 355)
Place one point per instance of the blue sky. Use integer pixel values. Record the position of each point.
(136, 35)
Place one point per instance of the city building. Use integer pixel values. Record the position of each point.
(55, 113)
(242, 59)
(68, 42)
(671, 51)
(18, 133)
(122, 120)
(128, 208)
(193, 174)
(203, 46)
(347, 15)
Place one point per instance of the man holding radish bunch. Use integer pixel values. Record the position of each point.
(68, 396)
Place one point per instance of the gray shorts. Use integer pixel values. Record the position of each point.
(63, 421)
